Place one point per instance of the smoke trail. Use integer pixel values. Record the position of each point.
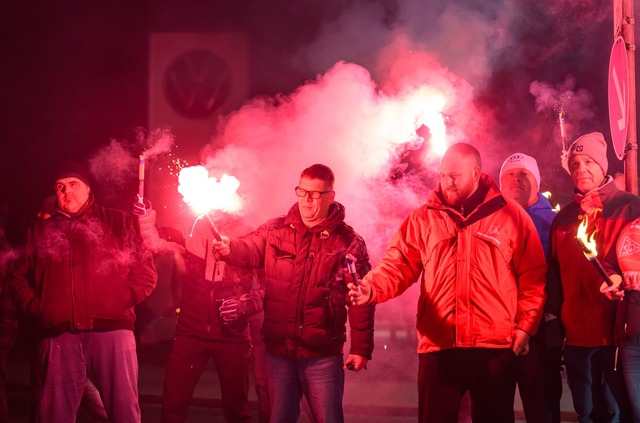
(158, 141)
(576, 104)
(114, 164)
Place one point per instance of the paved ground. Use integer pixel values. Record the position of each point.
(384, 393)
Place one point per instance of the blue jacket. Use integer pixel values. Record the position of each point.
(542, 215)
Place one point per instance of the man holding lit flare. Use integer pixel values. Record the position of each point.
(481, 268)
(306, 303)
(588, 316)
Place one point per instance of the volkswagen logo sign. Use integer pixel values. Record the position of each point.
(197, 83)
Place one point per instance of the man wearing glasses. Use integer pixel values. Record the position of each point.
(306, 304)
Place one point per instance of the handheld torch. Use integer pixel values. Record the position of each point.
(592, 257)
(141, 176)
(216, 234)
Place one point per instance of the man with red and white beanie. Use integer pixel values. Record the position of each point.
(588, 316)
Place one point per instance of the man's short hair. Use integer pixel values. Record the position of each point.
(466, 150)
(319, 171)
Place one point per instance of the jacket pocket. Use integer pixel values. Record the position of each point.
(282, 254)
(334, 319)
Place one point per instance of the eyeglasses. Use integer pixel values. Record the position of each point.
(313, 194)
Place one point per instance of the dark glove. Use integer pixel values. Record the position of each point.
(232, 310)
(140, 206)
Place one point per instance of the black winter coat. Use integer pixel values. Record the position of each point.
(306, 303)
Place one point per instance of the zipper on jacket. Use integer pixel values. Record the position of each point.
(303, 290)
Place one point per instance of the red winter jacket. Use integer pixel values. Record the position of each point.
(587, 315)
(481, 276)
(305, 303)
(85, 272)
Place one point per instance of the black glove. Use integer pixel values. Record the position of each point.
(232, 310)
(140, 205)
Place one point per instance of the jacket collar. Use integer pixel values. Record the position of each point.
(492, 201)
(335, 218)
(593, 200)
(486, 184)
(85, 211)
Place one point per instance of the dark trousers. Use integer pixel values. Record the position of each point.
(533, 383)
(488, 374)
(553, 358)
(260, 367)
(188, 359)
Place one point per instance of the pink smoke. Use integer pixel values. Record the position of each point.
(344, 120)
(158, 141)
(114, 164)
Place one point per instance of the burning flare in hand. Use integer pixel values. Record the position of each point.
(588, 245)
(205, 194)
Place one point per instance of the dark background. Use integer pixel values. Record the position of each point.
(75, 73)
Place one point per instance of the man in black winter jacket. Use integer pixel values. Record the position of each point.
(306, 306)
(84, 270)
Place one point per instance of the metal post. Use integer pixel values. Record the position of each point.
(631, 147)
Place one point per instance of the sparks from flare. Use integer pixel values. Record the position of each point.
(157, 142)
(563, 131)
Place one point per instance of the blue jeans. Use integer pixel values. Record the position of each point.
(630, 356)
(320, 380)
(597, 389)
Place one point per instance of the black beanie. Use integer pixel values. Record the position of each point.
(70, 169)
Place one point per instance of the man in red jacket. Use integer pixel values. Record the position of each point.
(306, 304)
(84, 271)
(588, 316)
(482, 269)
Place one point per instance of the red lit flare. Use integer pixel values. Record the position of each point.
(204, 194)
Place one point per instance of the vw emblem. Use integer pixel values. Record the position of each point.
(197, 83)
